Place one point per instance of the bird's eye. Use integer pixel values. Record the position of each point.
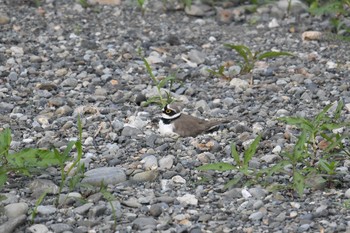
(168, 111)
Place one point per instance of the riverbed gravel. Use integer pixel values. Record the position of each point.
(61, 60)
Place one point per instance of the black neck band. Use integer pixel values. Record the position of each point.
(168, 121)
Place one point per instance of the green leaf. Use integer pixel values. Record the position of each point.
(298, 121)
(319, 117)
(242, 50)
(235, 154)
(164, 81)
(298, 182)
(248, 154)
(273, 54)
(222, 166)
(3, 176)
(337, 112)
(277, 168)
(32, 158)
(5, 141)
(299, 150)
(232, 182)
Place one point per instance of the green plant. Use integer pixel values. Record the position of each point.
(160, 84)
(37, 203)
(306, 159)
(62, 157)
(249, 59)
(338, 10)
(84, 3)
(110, 198)
(241, 164)
(25, 161)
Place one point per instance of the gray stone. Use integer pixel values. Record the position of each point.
(39, 186)
(12, 224)
(105, 175)
(145, 176)
(16, 209)
(256, 216)
(60, 227)
(97, 211)
(156, 210)
(166, 162)
(46, 210)
(70, 82)
(83, 209)
(38, 228)
(131, 131)
(196, 56)
(142, 223)
(150, 162)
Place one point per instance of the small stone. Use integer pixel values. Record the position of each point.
(16, 209)
(46, 210)
(131, 131)
(145, 176)
(150, 162)
(273, 23)
(82, 210)
(70, 82)
(246, 194)
(39, 186)
(166, 162)
(60, 227)
(64, 111)
(144, 223)
(38, 228)
(277, 149)
(17, 51)
(61, 72)
(188, 199)
(4, 19)
(178, 179)
(105, 175)
(97, 211)
(347, 193)
(256, 216)
(12, 224)
(269, 158)
(156, 210)
(239, 83)
(196, 56)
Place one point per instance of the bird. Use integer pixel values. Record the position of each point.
(175, 123)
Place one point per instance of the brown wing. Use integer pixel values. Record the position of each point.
(195, 126)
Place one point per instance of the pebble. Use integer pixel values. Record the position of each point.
(145, 176)
(16, 209)
(60, 227)
(239, 83)
(39, 186)
(38, 228)
(188, 199)
(166, 162)
(150, 162)
(12, 224)
(256, 216)
(46, 210)
(107, 175)
(142, 223)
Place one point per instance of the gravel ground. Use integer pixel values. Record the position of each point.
(62, 60)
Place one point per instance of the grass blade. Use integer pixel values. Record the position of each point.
(222, 166)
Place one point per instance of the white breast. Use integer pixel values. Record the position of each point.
(166, 129)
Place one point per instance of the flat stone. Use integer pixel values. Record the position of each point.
(38, 228)
(105, 175)
(39, 186)
(16, 209)
(12, 224)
